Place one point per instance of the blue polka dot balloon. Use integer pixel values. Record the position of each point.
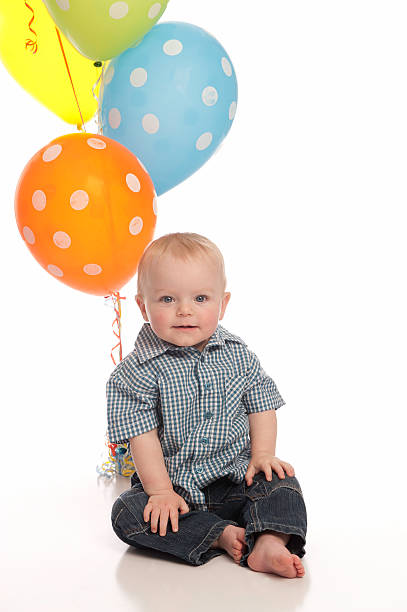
(171, 100)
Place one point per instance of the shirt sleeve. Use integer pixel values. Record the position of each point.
(132, 399)
(261, 392)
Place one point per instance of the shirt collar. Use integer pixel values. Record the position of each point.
(149, 345)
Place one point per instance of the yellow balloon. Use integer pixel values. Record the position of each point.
(44, 74)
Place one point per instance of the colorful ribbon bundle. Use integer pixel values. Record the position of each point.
(119, 461)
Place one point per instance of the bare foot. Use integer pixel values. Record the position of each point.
(232, 540)
(270, 555)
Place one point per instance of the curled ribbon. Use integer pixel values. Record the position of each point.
(119, 460)
(116, 297)
(31, 44)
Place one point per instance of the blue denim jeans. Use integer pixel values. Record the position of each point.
(277, 505)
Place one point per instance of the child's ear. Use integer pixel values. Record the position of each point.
(141, 305)
(225, 302)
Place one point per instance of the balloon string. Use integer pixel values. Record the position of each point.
(31, 44)
(99, 123)
(70, 78)
(116, 297)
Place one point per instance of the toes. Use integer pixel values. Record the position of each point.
(298, 565)
(237, 558)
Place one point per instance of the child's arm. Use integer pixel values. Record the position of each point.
(163, 502)
(132, 399)
(148, 459)
(263, 431)
(261, 400)
(263, 435)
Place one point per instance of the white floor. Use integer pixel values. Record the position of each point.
(60, 553)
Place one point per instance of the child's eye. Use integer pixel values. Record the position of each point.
(201, 298)
(166, 299)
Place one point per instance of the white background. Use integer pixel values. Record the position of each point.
(307, 200)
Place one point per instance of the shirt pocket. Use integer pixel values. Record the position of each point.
(234, 390)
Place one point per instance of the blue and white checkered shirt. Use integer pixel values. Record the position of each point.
(198, 401)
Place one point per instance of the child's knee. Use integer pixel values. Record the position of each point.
(290, 482)
(127, 514)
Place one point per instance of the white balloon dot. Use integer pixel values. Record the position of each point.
(136, 225)
(96, 143)
(132, 182)
(79, 199)
(28, 235)
(138, 77)
(108, 76)
(232, 110)
(115, 118)
(92, 269)
(209, 96)
(63, 4)
(54, 270)
(226, 66)
(154, 10)
(155, 208)
(204, 141)
(51, 153)
(39, 199)
(62, 240)
(118, 10)
(172, 47)
(151, 123)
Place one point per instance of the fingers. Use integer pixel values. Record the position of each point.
(161, 514)
(288, 468)
(267, 465)
(279, 467)
(280, 472)
(155, 514)
(163, 521)
(249, 475)
(183, 508)
(268, 471)
(174, 519)
(146, 513)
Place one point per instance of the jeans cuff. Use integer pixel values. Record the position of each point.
(203, 552)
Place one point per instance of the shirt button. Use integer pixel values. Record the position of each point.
(204, 440)
(199, 469)
(208, 414)
(208, 385)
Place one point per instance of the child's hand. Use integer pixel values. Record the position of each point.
(266, 462)
(162, 505)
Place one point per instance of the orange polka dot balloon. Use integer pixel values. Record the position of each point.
(86, 209)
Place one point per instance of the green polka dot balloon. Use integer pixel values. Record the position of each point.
(102, 29)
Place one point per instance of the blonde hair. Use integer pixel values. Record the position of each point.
(182, 245)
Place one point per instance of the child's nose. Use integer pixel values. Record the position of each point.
(184, 308)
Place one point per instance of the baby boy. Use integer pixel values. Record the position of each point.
(199, 413)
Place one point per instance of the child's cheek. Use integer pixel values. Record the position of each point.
(161, 318)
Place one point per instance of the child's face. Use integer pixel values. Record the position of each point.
(183, 293)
